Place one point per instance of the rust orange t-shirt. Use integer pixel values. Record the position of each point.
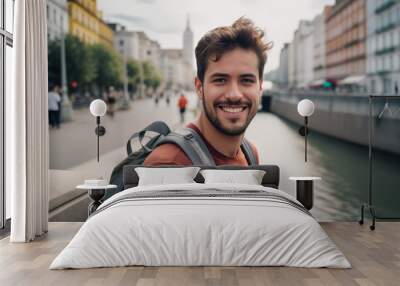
(171, 154)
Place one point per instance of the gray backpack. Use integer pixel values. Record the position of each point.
(159, 133)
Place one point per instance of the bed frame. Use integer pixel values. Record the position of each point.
(270, 179)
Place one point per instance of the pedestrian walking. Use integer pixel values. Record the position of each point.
(182, 103)
(54, 100)
(111, 99)
(58, 113)
(156, 98)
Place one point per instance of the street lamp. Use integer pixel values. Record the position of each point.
(305, 108)
(98, 108)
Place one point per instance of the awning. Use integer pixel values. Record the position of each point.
(354, 79)
(317, 82)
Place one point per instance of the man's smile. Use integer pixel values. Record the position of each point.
(232, 108)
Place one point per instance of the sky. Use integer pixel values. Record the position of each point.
(165, 20)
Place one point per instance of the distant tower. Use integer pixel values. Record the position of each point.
(188, 43)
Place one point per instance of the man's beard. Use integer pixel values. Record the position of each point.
(218, 125)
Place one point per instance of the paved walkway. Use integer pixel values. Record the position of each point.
(73, 146)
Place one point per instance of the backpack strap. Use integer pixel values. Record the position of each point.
(159, 127)
(195, 148)
(248, 152)
(192, 144)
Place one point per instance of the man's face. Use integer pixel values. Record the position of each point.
(231, 91)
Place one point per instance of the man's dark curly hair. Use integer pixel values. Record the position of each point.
(241, 34)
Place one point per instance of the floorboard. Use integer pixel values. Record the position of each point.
(374, 255)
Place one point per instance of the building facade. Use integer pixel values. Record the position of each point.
(345, 41)
(57, 19)
(319, 49)
(86, 22)
(188, 44)
(292, 65)
(176, 71)
(303, 54)
(283, 70)
(125, 42)
(136, 45)
(383, 52)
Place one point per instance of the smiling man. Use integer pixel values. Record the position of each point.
(230, 64)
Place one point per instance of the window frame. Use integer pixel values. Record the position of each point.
(6, 39)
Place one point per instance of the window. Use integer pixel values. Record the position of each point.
(6, 42)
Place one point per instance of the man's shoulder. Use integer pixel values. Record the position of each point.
(167, 154)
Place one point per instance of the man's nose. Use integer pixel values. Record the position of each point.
(234, 92)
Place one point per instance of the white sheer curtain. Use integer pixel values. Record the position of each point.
(27, 124)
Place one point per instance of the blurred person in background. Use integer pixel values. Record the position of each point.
(182, 103)
(54, 102)
(111, 99)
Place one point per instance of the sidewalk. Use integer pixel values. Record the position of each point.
(73, 146)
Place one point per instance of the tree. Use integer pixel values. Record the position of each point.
(152, 78)
(108, 66)
(54, 62)
(80, 67)
(133, 70)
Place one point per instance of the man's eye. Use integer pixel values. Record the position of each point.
(219, 80)
(248, 80)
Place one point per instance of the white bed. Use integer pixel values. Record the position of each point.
(184, 230)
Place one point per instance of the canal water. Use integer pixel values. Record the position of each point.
(342, 166)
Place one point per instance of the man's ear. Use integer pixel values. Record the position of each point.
(199, 87)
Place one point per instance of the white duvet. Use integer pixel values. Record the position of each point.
(200, 231)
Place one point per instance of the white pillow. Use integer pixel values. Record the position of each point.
(248, 177)
(162, 176)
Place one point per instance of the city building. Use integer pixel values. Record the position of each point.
(188, 44)
(149, 50)
(177, 73)
(345, 31)
(283, 69)
(57, 19)
(136, 45)
(319, 49)
(86, 22)
(125, 42)
(303, 54)
(292, 65)
(383, 53)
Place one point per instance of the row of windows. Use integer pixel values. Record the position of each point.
(52, 15)
(85, 19)
(344, 20)
(347, 54)
(337, 28)
(346, 38)
(391, 16)
(385, 40)
(92, 23)
(384, 63)
(86, 37)
(346, 69)
(89, 4)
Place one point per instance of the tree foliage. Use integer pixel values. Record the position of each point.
(152, 78)
(108, 65)
(96, 66)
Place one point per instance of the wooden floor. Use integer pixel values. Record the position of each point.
(374, 255)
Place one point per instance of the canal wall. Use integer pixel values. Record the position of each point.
(344, 117)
